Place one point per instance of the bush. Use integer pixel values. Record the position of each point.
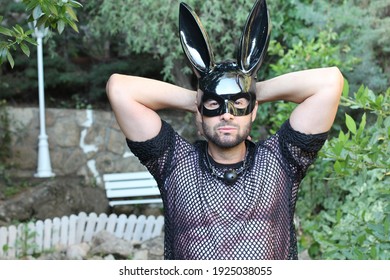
(344, 200)
(304, 54)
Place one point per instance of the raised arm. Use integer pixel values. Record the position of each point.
(317, 91)
(135, 101)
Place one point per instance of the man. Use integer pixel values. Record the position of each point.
(227, 197)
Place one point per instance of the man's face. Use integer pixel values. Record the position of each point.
(227, 130)
(226, 105)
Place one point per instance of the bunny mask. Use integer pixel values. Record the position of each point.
(226, 87)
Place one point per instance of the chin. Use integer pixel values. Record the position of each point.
(227, 143)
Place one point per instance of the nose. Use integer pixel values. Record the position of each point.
(226, 116)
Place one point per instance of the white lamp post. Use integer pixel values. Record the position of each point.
(44, 165)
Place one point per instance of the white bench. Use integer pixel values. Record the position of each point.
(131, 188)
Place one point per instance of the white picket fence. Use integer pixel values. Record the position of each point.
(40, 236)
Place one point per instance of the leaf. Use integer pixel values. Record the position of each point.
(41, 21)
(75, 4)
(337, 167)
(74, 26)
(3, 54)
(60, 26)
(373, 253)
(339, 215)
(10, 59)
(386, 225)
(25, 49)
(361, 96)
(379, 101)
(344, 137)
(53, 9)
(37, 12)
(358, 254)
(345, 88)
(30, 5)
(361, 238)
(338, 148)
(5, 31)
(18, 29)
(351, 125)
(362, 124)
(31, 41)
(71, 13)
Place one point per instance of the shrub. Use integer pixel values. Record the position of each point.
(344, 200)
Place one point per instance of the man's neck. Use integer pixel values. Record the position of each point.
(227, 155)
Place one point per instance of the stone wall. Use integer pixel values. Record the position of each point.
(84, 143)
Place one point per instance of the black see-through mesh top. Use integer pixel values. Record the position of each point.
(208, 219)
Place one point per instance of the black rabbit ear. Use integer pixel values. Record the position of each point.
(194, 41)
(255, 38)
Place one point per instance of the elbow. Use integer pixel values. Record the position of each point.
(112, 87)
(337, 80)
(334, 84)
(118, 89)
(335, 88)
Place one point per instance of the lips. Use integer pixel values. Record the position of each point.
(226, 128)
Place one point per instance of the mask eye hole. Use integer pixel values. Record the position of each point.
(211, 104)
(241, 103)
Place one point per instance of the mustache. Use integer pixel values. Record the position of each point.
(226, 123)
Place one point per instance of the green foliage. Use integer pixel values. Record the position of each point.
(363, 148)
(45, 13)
(25, 245)
(344, 200)
(360, 24)
(5, 139)
(76, 66)
(19, 37)
(311, 53)
(304, 33)
(340, 31)
(5, 135)
(303, 54)
(99, 73)
(147, 26)
(54, 14)
(9, 187)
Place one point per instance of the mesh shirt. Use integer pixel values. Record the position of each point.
(251, 219)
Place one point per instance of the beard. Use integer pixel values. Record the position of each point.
(226, 140)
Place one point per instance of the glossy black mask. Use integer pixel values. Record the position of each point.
(226, 82)
(226, 90)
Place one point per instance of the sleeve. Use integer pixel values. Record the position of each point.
(155, 153)
(298, 149)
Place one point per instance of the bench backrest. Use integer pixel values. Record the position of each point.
(131, 188)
